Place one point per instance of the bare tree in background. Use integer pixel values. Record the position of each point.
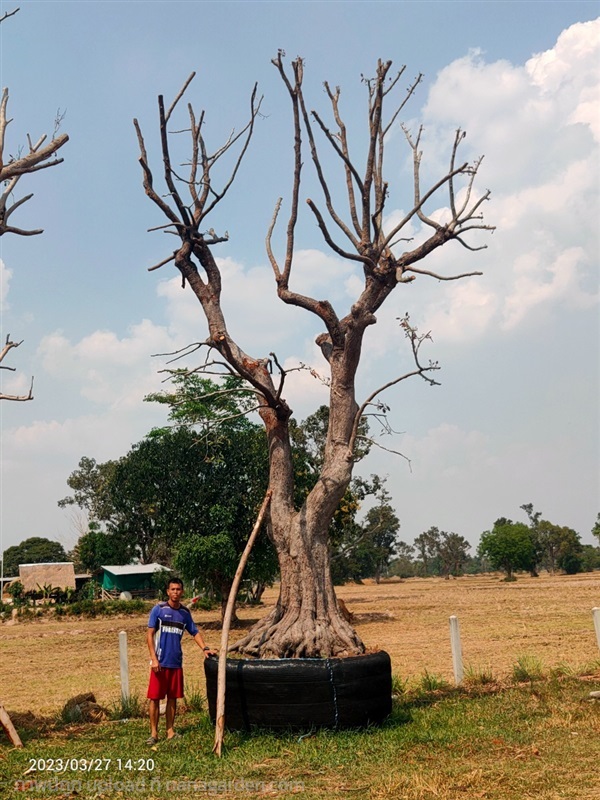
(306, 621)
(39, 155)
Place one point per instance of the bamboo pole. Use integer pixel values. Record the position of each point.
(10, 729)
(220, 711)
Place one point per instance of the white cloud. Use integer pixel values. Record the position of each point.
(541, 280)
(538, 126)
(5, 276)
(108, 370)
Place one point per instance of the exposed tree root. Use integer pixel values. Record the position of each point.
(292, 635)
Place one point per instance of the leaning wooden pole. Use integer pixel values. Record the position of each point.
(10, 729)
(220, 712)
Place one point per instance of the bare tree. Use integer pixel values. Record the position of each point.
(306, 620)
(39, 155)
(8, 346)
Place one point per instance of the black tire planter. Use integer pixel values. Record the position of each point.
(303, 693)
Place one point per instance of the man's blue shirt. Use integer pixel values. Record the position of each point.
(169, 624)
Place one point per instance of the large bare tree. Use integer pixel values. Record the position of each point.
(306, 621)
(38, 155)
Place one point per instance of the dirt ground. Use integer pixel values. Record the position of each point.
(45, 662)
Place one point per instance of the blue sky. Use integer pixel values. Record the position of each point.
(516, 417)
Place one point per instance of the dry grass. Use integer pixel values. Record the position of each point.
(43, 663)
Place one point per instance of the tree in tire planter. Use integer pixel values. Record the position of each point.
(306, 621)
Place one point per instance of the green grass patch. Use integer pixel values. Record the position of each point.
(538, 740)
(527, 668)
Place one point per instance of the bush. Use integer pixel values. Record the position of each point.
(203, 603)
(127, 708)
(100, 608)
(527, 668)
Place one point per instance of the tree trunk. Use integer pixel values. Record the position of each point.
(225, 589)
(306, 621)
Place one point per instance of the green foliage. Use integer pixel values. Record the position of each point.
(429, 682)
(453, 554)
(97, 547)
(364, 550)
(17, 591)
(509, 546)
(88, 591)
(590, 558)
(90, 483)
(596, 528)
(399, 684)
(403, 566)
(100, 608)
(194, 697)
(427, 545)
(160, 580)
(204, 603)
(130, 707)
(527, 668)
(35, 550)
(478, 676)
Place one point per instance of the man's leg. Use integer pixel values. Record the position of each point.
(154, 717)
(170, 716)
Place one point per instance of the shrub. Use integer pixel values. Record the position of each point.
(431, 683)
(527, 668)
(130, 707)
(194, 698)
(479, 676)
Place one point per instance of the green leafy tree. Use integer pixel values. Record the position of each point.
(97, 547)
(569, 556)
(187, 495)
(453, 554)
(509, 546)
(590, 558)
(596, 528)
(403, 564)
(90, 483)
(366, 549)
(35, 550)
(427, 545)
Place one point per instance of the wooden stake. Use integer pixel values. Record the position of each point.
(596, 615)
(457, 660)
(124, 662)
(6, 723)
(220, 712)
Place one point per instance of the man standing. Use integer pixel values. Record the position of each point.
(166, 625)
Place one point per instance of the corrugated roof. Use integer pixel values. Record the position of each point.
(134, 569)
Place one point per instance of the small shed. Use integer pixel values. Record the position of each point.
(133, 578)
(57, 574)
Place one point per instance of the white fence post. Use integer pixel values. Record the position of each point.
(596, 613)
(124, 665)
(457, 660)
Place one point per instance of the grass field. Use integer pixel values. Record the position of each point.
(496, 740)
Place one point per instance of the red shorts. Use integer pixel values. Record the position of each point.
(165, 683)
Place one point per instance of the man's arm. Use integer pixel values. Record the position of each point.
(152, 650)
(207, 651)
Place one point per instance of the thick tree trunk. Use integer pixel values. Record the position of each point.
(306, 621)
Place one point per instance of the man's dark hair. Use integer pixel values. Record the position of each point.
(175, 580)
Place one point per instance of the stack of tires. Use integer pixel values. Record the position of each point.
(303, 693)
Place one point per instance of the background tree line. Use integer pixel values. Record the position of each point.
(186, 496)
